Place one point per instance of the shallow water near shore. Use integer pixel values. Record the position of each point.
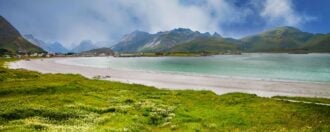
(279, 66)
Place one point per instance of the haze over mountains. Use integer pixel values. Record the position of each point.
(84, 45)
(87, 45)
(55, 47)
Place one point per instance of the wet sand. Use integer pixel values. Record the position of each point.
(219, 85)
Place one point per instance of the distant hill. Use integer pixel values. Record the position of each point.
(286, 39)
(318, 43)
(209, 44)
(84, 46)
(99, 51)
(139, 41)
(55, 47)
(12, 42)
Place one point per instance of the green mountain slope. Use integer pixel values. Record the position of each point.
(318, 43)
(210, 44)
(159, 42)
(11, 41)
(279, 39)
(164, 41)
(287, 39)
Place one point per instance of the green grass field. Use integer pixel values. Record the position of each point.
(31, 101)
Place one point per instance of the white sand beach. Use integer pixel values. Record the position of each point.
(219, 85)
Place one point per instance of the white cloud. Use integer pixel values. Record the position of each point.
(160, 15)
(281, 12)
(107, 20)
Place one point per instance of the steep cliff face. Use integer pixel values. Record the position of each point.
(11, 40)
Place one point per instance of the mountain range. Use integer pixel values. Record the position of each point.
(55, 47)
(139, 41)
(287, 39)
(12, 42)
(281, 39)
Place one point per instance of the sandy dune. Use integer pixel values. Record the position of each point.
(219, 85)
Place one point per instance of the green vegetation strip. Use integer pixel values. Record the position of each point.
(32, 101)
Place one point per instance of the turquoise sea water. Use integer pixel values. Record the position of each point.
(295, 67)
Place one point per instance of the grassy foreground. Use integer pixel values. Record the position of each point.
(31, 101)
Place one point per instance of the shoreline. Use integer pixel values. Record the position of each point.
(219, 85)
(200, 75)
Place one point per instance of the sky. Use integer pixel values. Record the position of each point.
(72, 21)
